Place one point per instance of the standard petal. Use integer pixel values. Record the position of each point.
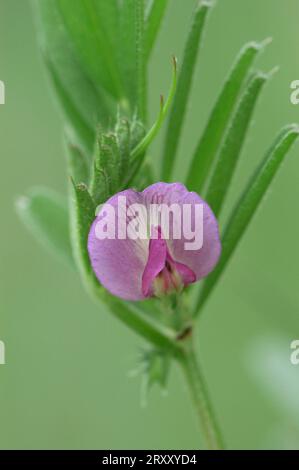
(167, 193)
(118, 263)
(200, 260)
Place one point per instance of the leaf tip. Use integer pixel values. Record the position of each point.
(257, 45)
(292, 129)
(266, 42)
(266, 75)
(174, 63)
(272, 72)
(206, 3)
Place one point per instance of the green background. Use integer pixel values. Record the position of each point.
(66, 383)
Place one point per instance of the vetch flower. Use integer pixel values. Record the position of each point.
(138, 249)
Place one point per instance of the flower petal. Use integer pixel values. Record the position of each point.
(186, 274)
(118, 263)
(202, 260)
(155, 264)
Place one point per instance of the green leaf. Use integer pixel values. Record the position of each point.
(78, 163)
(45, 214)
(140, 60)
(87, 24)
(158, 365)
(220, 118)
(155, 367)
(248, 204)
(131, 57)
(112, 160)
(85, 133)
(108, 14)
(83, 214)
(123, 135)
(177, 114)
(107, 166)
(153, 22)
(233, 142)
(84, 104)
(127, 50)
(137, 133)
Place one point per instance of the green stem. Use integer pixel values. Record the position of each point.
(188, 361)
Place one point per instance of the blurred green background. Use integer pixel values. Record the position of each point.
(66, 383)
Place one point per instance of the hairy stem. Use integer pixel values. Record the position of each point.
(188, 361)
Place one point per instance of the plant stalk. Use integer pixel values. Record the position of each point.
(189, 363)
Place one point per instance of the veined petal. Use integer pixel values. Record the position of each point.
(203, 259)
(118, 263)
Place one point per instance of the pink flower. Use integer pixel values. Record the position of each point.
(135, 256)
